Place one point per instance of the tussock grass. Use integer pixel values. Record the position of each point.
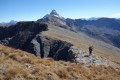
(20, 65)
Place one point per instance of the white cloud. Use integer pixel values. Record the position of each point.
(116, 15)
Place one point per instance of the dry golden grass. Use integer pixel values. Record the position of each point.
(20, 65)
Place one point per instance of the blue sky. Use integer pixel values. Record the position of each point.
(27, 10)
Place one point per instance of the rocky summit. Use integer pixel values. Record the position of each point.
(54, 13)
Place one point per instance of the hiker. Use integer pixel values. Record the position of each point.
(90, 50)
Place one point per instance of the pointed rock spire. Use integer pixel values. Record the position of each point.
(53, 15)
(53, 12)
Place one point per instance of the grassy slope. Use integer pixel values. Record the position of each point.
(20, 65)
(83, 41)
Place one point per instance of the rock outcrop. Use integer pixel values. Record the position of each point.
(21, 34)
(26, 36)
(84, 58)
(48, 47)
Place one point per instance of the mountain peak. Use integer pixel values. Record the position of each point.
(53, 12)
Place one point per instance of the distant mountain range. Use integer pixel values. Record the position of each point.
(105, 29)
(12, 22)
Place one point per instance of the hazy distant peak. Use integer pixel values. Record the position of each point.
(93, 18)
(13, 22)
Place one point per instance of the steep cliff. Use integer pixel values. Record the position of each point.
(45, 46)
(26, 36)
(21, 34)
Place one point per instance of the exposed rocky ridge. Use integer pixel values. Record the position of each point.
(6, 32)
(84, 58)
(61, 50)
(105, 29)
(45, 46)
(25, 36)
(55, 19)
(21, 34)
(54, 13)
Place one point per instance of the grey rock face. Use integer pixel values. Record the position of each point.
(21, 34)
(53, 12)
(48, 47)
(55, 19)
(26, 36)
(84, 58)
(45, 46)
(39, 46)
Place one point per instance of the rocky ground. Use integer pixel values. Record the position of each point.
(61, 50)
(85, 59)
